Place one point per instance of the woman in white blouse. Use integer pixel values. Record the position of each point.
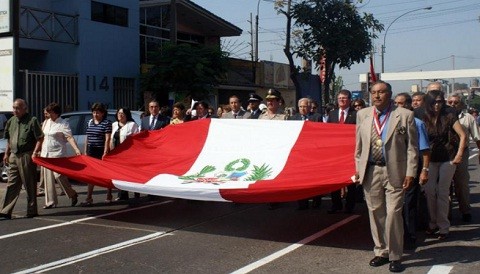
(121, 129)
(57, 133)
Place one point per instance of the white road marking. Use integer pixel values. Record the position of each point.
(292, 247)
(473, 156)
(93, 253)
(80, 220)
(440, 269)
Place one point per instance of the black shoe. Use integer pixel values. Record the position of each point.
(5, 216)
(431, 232)
(467, 217)
(31, 215)
(396, 266)
(378, 261)
(74, 200)
(442, 236)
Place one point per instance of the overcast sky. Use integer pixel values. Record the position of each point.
(443, 38)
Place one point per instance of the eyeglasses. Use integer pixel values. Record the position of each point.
(453, 102)
(357, 105)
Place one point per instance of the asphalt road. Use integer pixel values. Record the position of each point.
(180, 236)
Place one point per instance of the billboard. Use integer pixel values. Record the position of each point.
(6, 73)
(5, 14)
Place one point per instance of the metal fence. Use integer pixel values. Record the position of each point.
(124, 94)
(43, 88)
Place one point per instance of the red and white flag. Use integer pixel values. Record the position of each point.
(249, 161)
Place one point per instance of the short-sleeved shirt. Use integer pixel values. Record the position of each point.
(23, 133)
(55, 141)
(422, 135)
(96, 132)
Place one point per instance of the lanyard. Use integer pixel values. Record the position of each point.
(376, 120)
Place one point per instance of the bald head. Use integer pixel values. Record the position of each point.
(434, 86)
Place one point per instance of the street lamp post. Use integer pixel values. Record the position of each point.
(385, 35)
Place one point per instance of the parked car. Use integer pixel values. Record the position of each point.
(78, 123)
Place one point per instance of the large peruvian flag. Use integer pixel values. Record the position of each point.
(247, 161)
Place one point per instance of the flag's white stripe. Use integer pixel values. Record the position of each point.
(91, 254)
(258, 141)
(292, 247)
(190, 193)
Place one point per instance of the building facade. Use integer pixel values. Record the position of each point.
(79, 52)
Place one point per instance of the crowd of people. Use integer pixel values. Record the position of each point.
(406, 146)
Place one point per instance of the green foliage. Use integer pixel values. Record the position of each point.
(184, 68)
(334, 29)
(259, 173)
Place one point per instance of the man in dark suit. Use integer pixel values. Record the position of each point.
(254, 101)
(344, 114)
(386, 158)
(155, 120)
(304, 114)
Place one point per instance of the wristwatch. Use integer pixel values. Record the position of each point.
(425, 168)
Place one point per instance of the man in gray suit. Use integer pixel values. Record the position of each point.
(386, 157)
(237, 111)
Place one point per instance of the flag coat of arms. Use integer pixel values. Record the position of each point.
(245, 161)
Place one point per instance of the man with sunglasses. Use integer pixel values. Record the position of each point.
(462, 176)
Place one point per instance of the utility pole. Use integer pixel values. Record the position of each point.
(173, 22)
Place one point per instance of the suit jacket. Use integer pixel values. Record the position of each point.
(242, 114)
(350, 119)
(400, 145)
(256, 114)
(314, 118)
(160, 122)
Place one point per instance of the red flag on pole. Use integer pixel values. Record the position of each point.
(373, 76)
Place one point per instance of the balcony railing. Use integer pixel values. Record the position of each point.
(48, 25)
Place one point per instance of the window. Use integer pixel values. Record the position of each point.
(109, 14)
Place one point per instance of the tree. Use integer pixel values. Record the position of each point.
(333, 30)
(183, 68)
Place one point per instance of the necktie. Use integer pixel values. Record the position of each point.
(152, 124)
(234, 116)
(304, 117)
(342, 117)
(376, 146)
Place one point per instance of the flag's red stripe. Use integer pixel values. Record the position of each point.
(321, 161)
(172, 150)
